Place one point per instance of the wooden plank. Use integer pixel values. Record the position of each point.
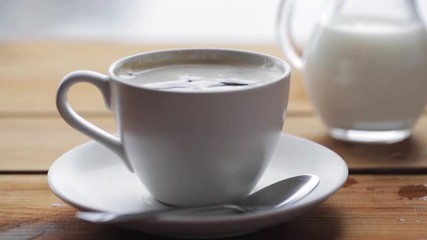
(32, 144)
(30, 73)
(404, 157)
(368, 207)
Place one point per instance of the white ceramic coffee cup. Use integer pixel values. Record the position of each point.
(188, 148)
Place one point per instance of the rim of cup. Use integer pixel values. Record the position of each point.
(284, 67)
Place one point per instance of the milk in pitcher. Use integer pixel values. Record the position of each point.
(365, 76)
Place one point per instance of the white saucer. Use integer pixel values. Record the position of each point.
(90, 177)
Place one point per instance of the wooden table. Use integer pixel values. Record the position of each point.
(385, 196)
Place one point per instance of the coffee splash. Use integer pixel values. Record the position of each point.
(411, 192)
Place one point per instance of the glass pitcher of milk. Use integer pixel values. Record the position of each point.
(365, 67)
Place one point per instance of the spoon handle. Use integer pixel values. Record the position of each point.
(284, 192)
(106, 217)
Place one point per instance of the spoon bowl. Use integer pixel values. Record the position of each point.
(279, 194)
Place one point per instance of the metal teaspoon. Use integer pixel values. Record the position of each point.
(284, 192)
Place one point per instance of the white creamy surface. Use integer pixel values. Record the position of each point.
(368, 77)
(203, 77)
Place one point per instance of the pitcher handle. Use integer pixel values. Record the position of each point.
(76, 121)
(416, 7)
(284, 23)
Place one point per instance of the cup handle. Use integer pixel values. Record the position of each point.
(76, 121)
(284, 23)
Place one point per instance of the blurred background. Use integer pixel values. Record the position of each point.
(148, 21)
(154, 21)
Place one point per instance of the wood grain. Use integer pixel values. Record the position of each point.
(33, 143)
(367, 207)
(404, 157)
